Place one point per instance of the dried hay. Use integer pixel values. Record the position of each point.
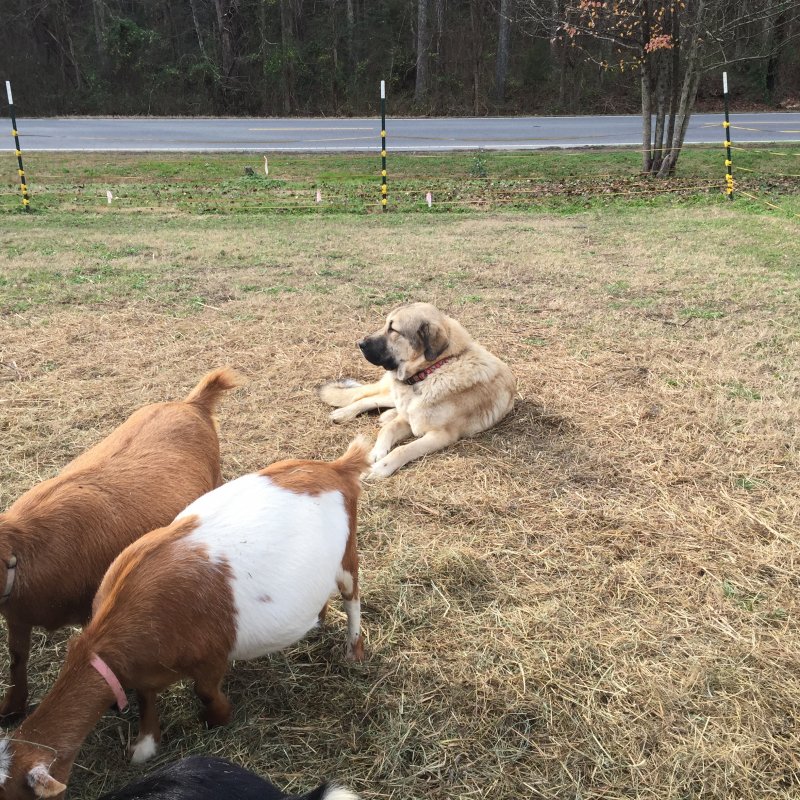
(596, 599)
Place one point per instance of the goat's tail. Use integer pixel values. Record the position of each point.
(329, 791)
(355, 460)
(206, 393)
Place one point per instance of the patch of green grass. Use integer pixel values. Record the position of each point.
(618, 288)
(737, 389)
(282, 289)
(643, 302)
(741, 597)
(749, 484)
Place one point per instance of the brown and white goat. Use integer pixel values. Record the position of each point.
(245, 570)
(58, 539)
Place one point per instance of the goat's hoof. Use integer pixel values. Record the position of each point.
(216, 719)
(11, 713)
(8, 719)
(144, 749)
(355, 650)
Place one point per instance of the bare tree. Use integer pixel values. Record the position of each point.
(227, 11)
(423, 50)
(503, 42)
(198, 31)
(671, 43)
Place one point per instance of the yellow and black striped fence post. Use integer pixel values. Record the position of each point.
(384, 187)
(727, 126)
(23, 184)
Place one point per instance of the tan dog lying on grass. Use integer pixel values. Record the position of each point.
(440, 386)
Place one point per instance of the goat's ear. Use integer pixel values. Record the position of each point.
(43, 783)
(433, 338)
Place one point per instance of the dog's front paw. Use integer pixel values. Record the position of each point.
(377, 453)
(381, 469)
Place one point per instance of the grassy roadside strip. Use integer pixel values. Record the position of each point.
(545, 180)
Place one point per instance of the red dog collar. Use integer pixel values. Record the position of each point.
(422, 374)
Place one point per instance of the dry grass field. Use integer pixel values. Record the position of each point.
(598, 599)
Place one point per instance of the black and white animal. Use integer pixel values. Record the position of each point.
(211, 778)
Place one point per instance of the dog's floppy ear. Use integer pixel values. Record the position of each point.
(433, 339)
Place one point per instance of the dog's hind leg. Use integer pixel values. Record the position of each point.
(346, 391)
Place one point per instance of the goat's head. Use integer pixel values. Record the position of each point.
(25, 771)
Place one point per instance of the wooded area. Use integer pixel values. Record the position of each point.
(312, 57)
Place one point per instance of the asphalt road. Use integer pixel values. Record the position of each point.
(330, 135)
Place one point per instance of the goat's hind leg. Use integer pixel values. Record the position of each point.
(347, 582)
(207, 686)
(19, 648)
(146, 743)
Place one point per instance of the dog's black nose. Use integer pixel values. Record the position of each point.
(362, 344)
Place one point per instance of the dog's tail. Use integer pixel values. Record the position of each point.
(345, 391)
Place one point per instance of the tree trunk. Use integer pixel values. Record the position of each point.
(503, 40)
(287, 56)
(647, 111)
(99, 13)
(691, 79)
(661, 90)
(351, 50)
(674, 93)
(226, 13)
(476, 26)
(198, 32)
(776, 42)
(423, 51)
(438, 10)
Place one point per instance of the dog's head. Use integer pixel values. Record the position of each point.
(412, 337)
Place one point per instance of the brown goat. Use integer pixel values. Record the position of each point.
(243, 571)
(58, 539)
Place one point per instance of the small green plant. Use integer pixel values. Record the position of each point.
(477, 169)
(741, 597)
(748, 484)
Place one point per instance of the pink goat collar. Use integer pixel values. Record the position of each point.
(423, 373)
(111, 679)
